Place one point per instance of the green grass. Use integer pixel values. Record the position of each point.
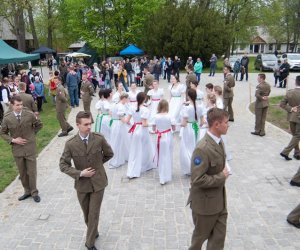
(8, 169)
(276, 115)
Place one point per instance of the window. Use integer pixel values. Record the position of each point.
(278, 46)
(270, 47)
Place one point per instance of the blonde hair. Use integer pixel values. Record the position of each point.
(163, 106)
(212, 98)
(218, 89)
(124, 95)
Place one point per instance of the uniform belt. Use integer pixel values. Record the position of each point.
(159, 135)
(132, 129)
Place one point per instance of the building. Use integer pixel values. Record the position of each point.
(10, 38)
(264, 43)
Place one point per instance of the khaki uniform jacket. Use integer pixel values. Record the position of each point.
(262, 89)
(292, 99)
(97, 152)
(191, 77)
(88, 91)
(148, 80)
(61, 99)
(207, 193)
(229, 84)
(28, 126)
(28, 101)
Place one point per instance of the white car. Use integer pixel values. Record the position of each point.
(293, 59)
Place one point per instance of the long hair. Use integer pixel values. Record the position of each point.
(163, 106)
(192, 94)
(140, 98)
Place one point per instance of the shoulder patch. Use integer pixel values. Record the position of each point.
(197, 160)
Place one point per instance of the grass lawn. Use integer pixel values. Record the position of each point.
(276, 115)
(8, 169)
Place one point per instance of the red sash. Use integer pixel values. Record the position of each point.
(159, 135)
(131, 130)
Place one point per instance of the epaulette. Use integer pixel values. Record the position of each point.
(72, 138)
(98, 134)
(7, 113)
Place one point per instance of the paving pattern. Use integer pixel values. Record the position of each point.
(141, 214)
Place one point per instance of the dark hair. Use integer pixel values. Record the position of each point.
(147, 68)
(298, 80)
(209, 86)
(218, 89)
(227, 67)
(15, 98)
(192, 94)
(195, 83)
(262, 76)
(190, 67)
(83, 115)
(106, 93)
(101, 93)
(56, 73)
(216, 114)
(140, 98)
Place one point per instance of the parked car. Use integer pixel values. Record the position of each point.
(293, 60)
(265, 62)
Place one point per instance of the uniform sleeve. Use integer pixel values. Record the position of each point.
(199, 166)
(107, 151)
(4, 132)
(258, 93)
(65, 164)
(284, 104)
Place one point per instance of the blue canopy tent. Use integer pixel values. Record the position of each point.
(131, 50)
(44, 50)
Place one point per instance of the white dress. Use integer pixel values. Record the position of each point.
(116, 97)
(189, 138)
(164, 147)
(176, 101)
(103, 120)
(98, 107)
(141, 152)
(132, 98)
(155, 97)
(200, 98)
(118, 138)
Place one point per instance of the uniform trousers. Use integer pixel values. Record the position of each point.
(211, 228)
(294, 143)
(87, 106)
(294, 216)
(28, 173)
(228, 107)
(90, 204)
(62, 121)
(260, 119)
(296, 177)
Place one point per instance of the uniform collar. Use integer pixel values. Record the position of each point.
(215, 138)
(84, 138)
(16, 114)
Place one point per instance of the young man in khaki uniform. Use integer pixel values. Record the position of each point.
(89, 151)
(262, 93)
(148, 80)
(19, 128)
(27, 99)
(291, 103)
(207, 194)
(229, 84)
(61, 104)
(87, 91)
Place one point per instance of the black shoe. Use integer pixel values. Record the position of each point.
(297, 225)
(70, 129)
(293, 183)
(91, 248)
(262, 135)
(231, 120)
(63, 134)
(97, 236)
(297, 157)
(254, 133)
(286, 157)
(36, 198)
(24, 197)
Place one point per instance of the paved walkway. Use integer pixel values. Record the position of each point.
(141, 214)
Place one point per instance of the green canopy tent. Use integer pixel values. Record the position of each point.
(10, 55)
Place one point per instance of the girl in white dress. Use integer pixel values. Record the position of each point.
(116, 96)
(103, 122)
(141, 151)
(177, 91)
(211, 103)
(200, 94)
(119, 130)
(189, 133)
(164, 142)
(98, 107)
(132, 95)
(155, 94)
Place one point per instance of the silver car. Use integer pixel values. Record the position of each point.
(265, 62)
(293, 60)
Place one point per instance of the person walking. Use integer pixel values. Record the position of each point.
(19, 129)
(87, 91)
(262, 93)
(207, 197)
(213, 65)
(72, 82)
(89, 151)
(291, 103)
(61, 107)
(38, 93)
(229, 84)
(198, 69)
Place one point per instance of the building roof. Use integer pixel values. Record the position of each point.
(77, 45)
(6, 31)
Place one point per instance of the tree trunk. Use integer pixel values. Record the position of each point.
(49, 21)
(20, 29)
(32, 27)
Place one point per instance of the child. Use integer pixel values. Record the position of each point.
(38, 92)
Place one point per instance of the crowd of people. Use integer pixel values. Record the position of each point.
(129, 118)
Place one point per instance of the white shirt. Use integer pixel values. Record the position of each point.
(215, 138)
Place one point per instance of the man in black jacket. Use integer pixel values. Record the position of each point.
(244, 65)
(129, 70)
(176, 66)
(284, 70)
